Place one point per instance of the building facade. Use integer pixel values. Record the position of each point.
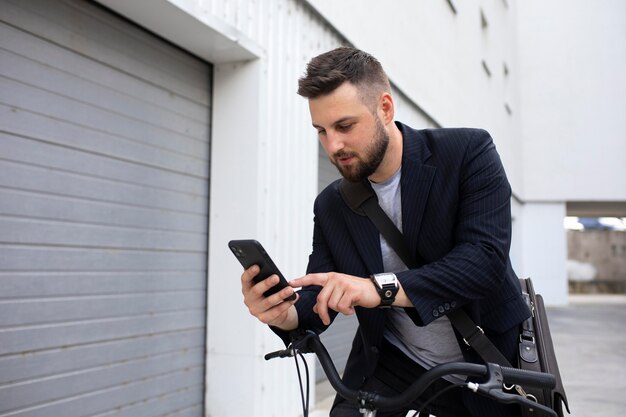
(139, 137)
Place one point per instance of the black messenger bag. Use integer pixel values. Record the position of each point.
(536, 351)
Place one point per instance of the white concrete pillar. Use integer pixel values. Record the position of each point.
(542, 249)
(239, 382)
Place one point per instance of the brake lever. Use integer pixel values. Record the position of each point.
(493, 388)
(533, 406)
(299, 344)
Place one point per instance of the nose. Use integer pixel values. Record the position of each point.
(332, 143)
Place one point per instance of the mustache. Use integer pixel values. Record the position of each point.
(344, 154)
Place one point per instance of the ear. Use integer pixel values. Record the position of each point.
(386, 108)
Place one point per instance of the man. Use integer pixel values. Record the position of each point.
(446, 190)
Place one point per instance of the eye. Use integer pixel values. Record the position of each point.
(345, 127)
(321, 131)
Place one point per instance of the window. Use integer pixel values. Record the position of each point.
(486, 68)
(452, 7)
(483, 20)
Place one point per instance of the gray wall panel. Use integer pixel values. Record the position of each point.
(94, 379)
(118, 396)
(74, 358)
(38, 311)
(42, 76)
(29, 338)
(55, 259)
(130, 49)
(61, 58)
(62, 158)
(45, 232)
(21, 284)
(104, 161)
(33, 99)
(60, 183)
(33, 205)
(169, 155)
(168, 405)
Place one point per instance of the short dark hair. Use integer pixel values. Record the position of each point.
(327, 71)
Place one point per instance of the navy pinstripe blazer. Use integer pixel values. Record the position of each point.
(456, 214)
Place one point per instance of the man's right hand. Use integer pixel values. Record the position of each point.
(272, 310)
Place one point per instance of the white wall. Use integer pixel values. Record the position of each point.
(573, 62)
(573, 95)
(544, 250)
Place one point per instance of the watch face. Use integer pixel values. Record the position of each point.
(385, 279)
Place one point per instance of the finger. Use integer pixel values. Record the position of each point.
(274, 314)
(260, 304)
(253, 294)
(310, 279)
(335, 299)
(321, 307)
(346, 305)
(249, 274)
(260, 288)
(278, 298)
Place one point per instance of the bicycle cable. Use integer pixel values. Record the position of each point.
(434, 397)
(305, 403)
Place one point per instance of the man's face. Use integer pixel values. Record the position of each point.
(354, 139)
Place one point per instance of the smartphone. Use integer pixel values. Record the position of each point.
(250, 252)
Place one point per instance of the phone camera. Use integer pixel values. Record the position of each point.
(238, 252)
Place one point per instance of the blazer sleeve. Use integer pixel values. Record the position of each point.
(320, 260)
(475, 265)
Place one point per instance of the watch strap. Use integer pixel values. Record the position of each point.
(386, 292)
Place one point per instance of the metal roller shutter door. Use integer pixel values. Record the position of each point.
(104, 161)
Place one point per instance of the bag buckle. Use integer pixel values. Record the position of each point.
(474, 334)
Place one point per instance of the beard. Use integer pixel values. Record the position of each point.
(365, 165)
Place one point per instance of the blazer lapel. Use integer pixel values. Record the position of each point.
(417, 178)
(366, 239)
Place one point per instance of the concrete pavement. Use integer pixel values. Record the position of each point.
(590, 342)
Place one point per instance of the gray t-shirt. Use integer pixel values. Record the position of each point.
(428, 345)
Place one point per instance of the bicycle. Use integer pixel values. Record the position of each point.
(495, 378)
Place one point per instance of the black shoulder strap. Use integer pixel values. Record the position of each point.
(361, 198)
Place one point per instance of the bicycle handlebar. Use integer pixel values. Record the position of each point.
(309, 342)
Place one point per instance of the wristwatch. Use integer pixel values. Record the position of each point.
(387, 286)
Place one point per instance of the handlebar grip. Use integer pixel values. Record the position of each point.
(285, 353)
(527, 378)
